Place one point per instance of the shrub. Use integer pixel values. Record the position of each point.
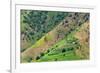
(66, 21)
(29, 59)
(63, 50)
(48, 51)
(22, 50)
(56, 45)
(55, 59)
(42, 54)
(74, 18)
(70, 15)
(76, 14)
(64, 54)
(79, 23)
(38, 57)
(70, 49)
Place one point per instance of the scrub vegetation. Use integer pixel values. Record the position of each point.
(54, 36)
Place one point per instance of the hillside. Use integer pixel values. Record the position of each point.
(35, 24)
(75, 46)
(62, 42)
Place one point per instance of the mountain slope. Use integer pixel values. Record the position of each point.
(35, 24)
(68, 25)
(75, 46)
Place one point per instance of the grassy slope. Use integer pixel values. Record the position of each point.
(68, 42)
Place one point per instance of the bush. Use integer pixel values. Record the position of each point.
(38, 57)
(63, 50)
(74, 18)
(79, 23)
(42, 54)
(48, 51)
(55, 59)
(70, 49)
(70, 15)
(64, 54)
(56, 45)
(22, 50)
(66, 21)
(29, 59)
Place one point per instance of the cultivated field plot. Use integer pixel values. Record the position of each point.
(54, 36)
